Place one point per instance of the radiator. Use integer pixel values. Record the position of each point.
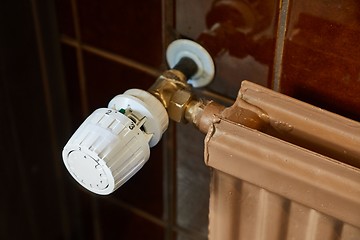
(298, 179)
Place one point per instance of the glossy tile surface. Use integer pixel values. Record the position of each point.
(321, 44)
(128, 28)
(321, 63)
(240, 35)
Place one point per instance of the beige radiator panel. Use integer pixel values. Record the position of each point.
(266, 188)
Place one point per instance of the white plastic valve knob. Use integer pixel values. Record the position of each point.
(113, 143)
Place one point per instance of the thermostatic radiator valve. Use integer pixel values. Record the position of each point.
(113, 143)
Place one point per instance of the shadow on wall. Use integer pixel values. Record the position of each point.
(240, 35)
(240, 28)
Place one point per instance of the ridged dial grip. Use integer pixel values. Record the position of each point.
(106, 150)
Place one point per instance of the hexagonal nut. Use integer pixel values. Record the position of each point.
(178, 104)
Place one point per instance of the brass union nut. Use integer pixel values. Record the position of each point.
(178, 104)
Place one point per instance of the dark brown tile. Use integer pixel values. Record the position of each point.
(128, 28)
(144, 190)
(321, 64)
(105, 79)
(239, 35)
(117, 223)
(65, 17)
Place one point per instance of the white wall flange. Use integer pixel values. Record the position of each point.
(187, 48)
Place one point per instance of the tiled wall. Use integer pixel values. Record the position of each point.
(107, 48)
(35, 200)
(306, 49)
(321, 61)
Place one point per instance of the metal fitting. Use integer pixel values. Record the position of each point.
(178, 104)
(173, 92)
(167, 84)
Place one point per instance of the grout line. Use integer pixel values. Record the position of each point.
(169, 142)
(280, 42)
(110, 56)
(64, 216)
(84, 105)
(215, 96)
(24, 188)
(136, 211)
(168, 22)
(169, 175)
(80, 60)
(124, 61)
(96, 219)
